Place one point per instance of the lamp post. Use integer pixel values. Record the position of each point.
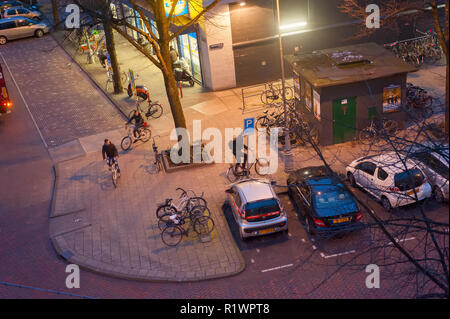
(287, 140)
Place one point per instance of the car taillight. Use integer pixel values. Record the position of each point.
(358, 217)
(319, 222)
(394, 189)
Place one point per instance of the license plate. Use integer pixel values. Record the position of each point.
(341, 220)
(412, 192)
(266, 231)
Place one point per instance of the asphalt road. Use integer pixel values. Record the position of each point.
(292, 265)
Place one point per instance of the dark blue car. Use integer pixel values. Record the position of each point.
(324, 206)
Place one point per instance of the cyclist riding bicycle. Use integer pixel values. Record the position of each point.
(239, 153)
(110, 155)
(138, 122)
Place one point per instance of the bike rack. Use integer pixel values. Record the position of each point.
(251, 94)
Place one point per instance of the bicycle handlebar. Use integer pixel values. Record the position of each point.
(183, 192)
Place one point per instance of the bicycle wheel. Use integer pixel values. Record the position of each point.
(262, 123)
(390, 127)
(165, 210)
(199, 211)
(172, 235)
(195, 201)
(109, 86)
(165, 221)
(262, 166)
(289, 93)
(268, 97)
(124, 77)
(231, 175)
(204, 225)
(114, 178)
(366, 136)
(155, 110)
(145, 135)
(126, 143)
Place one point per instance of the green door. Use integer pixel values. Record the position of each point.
(344, 120)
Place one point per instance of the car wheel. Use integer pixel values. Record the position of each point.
(386, 204)
(3, 40)
(39, 33)
(308, 226)
(351, 179)
(438, 196)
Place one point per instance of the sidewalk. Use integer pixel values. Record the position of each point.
(114, 231)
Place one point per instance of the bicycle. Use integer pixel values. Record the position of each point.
(374, 134)
(184, 207)
(237, 172)
(273, 94)
(113, 166)
(154, 110)
(110, 80)
(174, 230)
(144, 135)
(419, 101)
(158, 163)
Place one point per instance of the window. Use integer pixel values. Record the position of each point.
(408, 179)
(236, 198)
(382, 175)
(23, 23)
(11, 12)
(261, 207)
(22, 11)
(367, 167)
(7, 25)
(433, 163)
(308, 97)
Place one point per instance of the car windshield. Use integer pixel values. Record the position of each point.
(261, 207)
(409, 179)
(332, 200)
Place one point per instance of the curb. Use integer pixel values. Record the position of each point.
(105, 269)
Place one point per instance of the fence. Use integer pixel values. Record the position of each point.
(252, 95)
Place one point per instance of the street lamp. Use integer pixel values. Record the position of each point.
(288, 165)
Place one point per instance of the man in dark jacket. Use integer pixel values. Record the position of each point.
(138, 122)
(239, 153)
(110, 154)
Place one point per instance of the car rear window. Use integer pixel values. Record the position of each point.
(409, 179)
(261, 207)
(333, 200)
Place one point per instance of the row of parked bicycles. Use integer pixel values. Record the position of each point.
(178, 219)
(425, 49)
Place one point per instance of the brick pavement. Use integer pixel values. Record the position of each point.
(63, 111)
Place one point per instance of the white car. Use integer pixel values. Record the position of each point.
(433, 160)
(256, 208)
(387, 179)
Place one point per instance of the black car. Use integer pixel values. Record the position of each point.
(324, 206)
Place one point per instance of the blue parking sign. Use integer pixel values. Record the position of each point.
(249, 126)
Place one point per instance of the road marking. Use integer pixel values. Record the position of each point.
(314, 247)
(276, 268)
(290, 235)
(303, 240)
(257, 250)
(23, 99)
(252, 261)
(402, 240)
(338, 254)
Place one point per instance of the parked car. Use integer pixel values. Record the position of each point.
(324, 206)
(433, 161)
(21, 12)
(8, 4)
(15, 28)
(5, 102)
(388, 180)
(256, 208)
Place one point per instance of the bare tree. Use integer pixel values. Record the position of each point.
(391, 11)
(160, 42)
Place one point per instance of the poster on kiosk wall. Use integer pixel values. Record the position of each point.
(392, 98)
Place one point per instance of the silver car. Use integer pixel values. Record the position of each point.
(433, 160)
(256, 208)
(16, 28)
(21, 12)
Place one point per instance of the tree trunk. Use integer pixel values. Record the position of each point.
(111, 47)
(172, 90)
(55, 14)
